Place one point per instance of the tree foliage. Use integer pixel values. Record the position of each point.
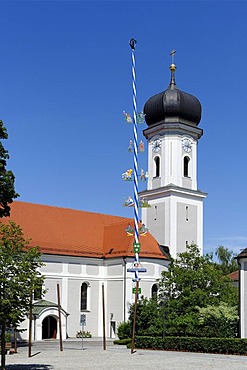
(148, 317)
(7, 179)
(192, 281)
(218, 321)
(226, 260)
(124, 330)
(195, 299)
(19, 276)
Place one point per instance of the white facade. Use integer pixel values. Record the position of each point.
(175, 218)
(242, 260)
(70, 273)
(171, 156)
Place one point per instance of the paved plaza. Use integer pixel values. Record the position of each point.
(47, 356)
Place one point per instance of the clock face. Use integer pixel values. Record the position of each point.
(156, 146)
(187, 145)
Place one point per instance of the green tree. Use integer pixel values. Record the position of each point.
(7, 179)
(149, 317)
(192, 281)
(218, 321)
(226, 260)
(19, 276)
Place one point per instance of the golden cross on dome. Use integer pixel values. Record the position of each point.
(172, 53)
(172, 67)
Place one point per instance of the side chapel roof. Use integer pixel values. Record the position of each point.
(63, 231)
(234, 275)
(243, 254)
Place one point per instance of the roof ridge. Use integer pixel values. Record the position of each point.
(72, 209)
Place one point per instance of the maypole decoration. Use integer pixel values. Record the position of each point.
(136, 214)
(132, 175)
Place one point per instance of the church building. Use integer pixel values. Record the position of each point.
(82, 252)
(89, 255)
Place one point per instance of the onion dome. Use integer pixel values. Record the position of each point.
(173, 105)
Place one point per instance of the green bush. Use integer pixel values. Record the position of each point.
(149, 317)
(124, 330)
(7, 337)
(123, 341)
(84, 334)
(218, 321)
(193, 281)
(207, 345)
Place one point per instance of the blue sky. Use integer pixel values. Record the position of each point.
(65, 77)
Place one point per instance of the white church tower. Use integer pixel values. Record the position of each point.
(175, 217)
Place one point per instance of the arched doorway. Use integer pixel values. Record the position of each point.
(49, 328)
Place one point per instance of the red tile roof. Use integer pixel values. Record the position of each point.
(234, 275)
(63, 231)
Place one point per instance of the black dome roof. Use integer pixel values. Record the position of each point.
(173, 104)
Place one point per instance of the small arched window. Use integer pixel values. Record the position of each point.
(157, 166)
(38, 292)
(186, 166)
(154, 290)
(84, 288)
(187, 213)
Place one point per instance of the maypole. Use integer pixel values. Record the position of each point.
(136, 203)
(136, 214)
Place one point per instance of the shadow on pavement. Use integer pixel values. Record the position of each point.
(29, 367)
(74, 349)
(21, 344)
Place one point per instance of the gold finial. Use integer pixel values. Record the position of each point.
(172, 67)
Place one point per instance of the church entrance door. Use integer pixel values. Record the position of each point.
(49, 328)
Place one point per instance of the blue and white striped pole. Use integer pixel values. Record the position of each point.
(136, 215)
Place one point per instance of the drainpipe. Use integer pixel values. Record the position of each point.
(239, 299)
(124, 303)
(34, 329)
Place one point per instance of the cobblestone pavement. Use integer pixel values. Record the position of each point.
(46, 355)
